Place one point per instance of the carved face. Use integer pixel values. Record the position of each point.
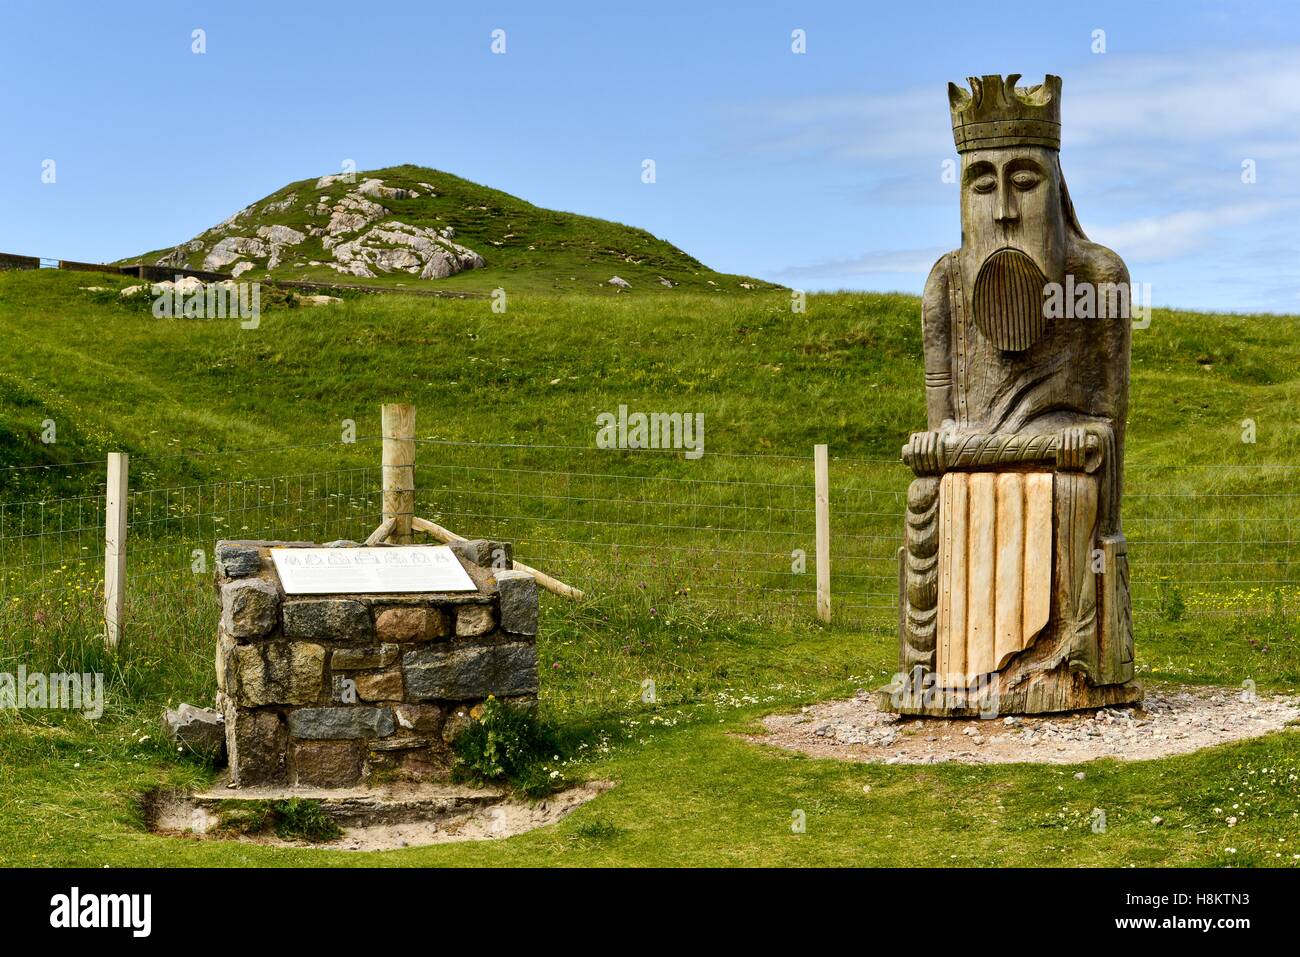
(1013, 238)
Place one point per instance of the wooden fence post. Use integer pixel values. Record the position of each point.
(822, 481)
(399, 469)
(115, 528)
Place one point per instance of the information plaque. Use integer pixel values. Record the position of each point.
(342, 571)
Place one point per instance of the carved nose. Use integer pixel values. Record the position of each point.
(1006, 211)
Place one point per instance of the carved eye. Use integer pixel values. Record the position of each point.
(1025, 180)
(985, 184)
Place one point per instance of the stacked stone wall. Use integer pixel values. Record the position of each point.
(330, 691)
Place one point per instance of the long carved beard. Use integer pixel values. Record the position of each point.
(1008, 300)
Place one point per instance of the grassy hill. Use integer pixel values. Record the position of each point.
(525, 248)
(1208, 517)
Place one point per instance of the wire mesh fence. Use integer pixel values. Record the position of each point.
(52, 549)
(725, 533)
(173, 531)
(1214, 539)
(737, 531)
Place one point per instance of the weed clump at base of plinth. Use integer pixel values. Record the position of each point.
(507, 744)
(290, 819)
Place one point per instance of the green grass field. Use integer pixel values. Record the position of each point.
(698, 595)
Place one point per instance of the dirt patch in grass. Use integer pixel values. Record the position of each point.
(359, 819)
(1169, 721)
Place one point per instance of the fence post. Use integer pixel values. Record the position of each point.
(399, 469)
(115, 528)
(822, 481)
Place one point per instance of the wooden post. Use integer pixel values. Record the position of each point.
(115, 527)
(546, 581)
(399, 469)
(822, 482)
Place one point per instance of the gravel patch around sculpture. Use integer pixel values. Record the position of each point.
(1170, 721)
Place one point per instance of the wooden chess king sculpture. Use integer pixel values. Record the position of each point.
(1013, 577)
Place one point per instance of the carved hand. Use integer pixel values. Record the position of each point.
(923, 452)
(1072, 449)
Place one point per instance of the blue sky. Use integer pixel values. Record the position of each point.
(819, 170)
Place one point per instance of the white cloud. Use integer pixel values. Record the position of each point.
(898, 261)
(885, 126)
(1171, 235)
(1153, 147)
(1233, 95)
(1251, 97)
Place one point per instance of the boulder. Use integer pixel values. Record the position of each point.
(376, 187)
(236, 560)
(280, 205)
(250, 608)
(518, 591)
(399, 247)
(198, 731)
(187, 285)
(485, 553)
(232, 248)
(281, 235)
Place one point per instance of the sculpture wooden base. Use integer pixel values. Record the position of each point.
(1044, 693)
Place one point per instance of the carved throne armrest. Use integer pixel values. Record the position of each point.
(933, 453)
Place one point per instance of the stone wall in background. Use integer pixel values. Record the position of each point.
(327, 691)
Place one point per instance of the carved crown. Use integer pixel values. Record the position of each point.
(998, 113)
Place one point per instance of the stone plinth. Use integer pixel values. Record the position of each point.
(333, 690)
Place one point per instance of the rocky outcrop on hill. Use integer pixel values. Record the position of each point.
(355, 229)
(394, 246)
(231, 248)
